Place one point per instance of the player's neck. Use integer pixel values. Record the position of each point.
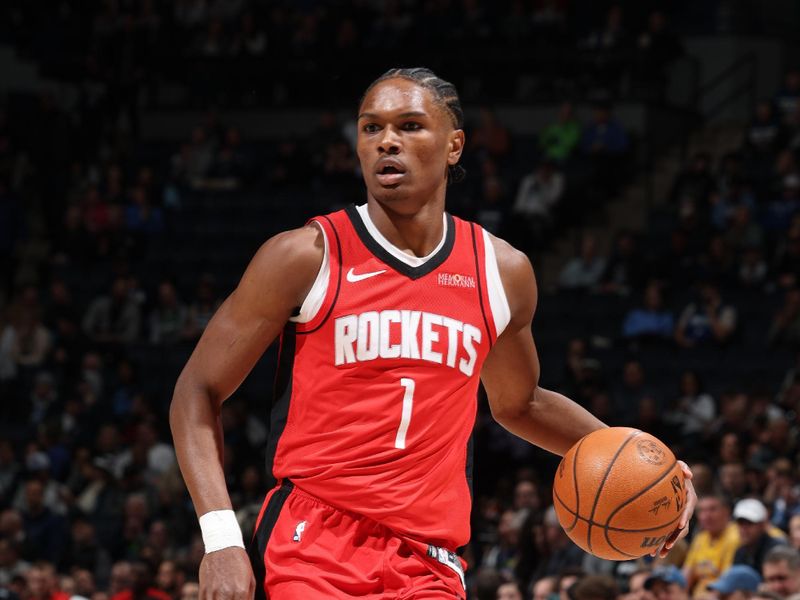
(417, 233)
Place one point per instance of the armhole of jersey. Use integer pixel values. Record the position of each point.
(498, 302)
(321, 299)
(316, 295)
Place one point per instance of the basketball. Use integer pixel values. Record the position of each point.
(619, 493)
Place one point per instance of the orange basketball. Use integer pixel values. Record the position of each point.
(619, 493)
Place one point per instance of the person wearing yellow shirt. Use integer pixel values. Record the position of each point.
(712, 549)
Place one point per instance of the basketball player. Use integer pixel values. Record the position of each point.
(388, 315)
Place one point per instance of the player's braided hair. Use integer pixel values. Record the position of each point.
(445, 95)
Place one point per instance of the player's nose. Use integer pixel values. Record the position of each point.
(389, 142)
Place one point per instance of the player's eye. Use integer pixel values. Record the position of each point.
(370, 128)
(411, 126)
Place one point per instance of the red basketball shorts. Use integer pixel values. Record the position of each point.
(304, 549)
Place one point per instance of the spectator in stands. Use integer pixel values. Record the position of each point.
(141, 218)
(544, 588)
(781, 571)
(707, 319)
(785, 328)
(509, 591)
(491, 138)
(717, 263)
(503, 556)
(755, 542)
(537, 196)
(666, 582)
(733, 480)
(787, 99)
(11, 565)
(85, 552)
(739, 582)
(194, 160)
(765, 135)
(780, 489)
(658, 46)
(202, 308)
(559, 140)
(46, 532)
(231, 162)
(724, 204)
(560, 552)
(632, 390)
(567, 578)
(779, 212)
(742, 233)
(595, 587)
(170, 578)
(25, 341)
(583, 272)
(712, 549)
(168, 318)
(121, 579)
(753, 268)
(250, 40)
(604, 136)
(526, 498)
(189, 591)
(694, 410)
(625, 269)
(42, 583)
(650, 321)
(612, 36)
(113, 318)
(794, 531)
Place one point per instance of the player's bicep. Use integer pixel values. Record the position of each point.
(247, 322)
(510, 373)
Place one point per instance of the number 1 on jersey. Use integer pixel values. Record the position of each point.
(405, 419)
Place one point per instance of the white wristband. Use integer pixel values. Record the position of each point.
(220, 530)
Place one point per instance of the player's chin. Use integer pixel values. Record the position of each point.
(391, 193)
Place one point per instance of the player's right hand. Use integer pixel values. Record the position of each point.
(227, 575)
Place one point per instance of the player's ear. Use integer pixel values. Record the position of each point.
(456, 146)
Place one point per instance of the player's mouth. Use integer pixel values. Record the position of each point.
(389, 171)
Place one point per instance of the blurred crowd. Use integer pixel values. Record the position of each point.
(167, 53)
(114, 254)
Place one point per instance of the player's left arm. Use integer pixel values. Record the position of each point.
(510, 373)
(510, 376)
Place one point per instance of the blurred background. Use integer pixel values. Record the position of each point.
(644, 154)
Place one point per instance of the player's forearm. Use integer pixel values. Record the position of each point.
(552, 421)
(197, 434)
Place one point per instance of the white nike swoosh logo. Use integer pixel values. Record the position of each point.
(352, 277)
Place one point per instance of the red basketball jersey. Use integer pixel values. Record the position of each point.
(376, 390)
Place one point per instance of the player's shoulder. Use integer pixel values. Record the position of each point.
(517, 276)
(304, 244)
(295, 254)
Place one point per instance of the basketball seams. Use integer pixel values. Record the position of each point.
(610, 527)
(643, 491)
(610, 466)
(575, 485)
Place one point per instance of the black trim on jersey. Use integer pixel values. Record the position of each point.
(480, 287)
(280, 397)
(398, 265)
(338, 279)
(257, 547)
(468, 472)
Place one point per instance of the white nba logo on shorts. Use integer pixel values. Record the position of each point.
(298, 531)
